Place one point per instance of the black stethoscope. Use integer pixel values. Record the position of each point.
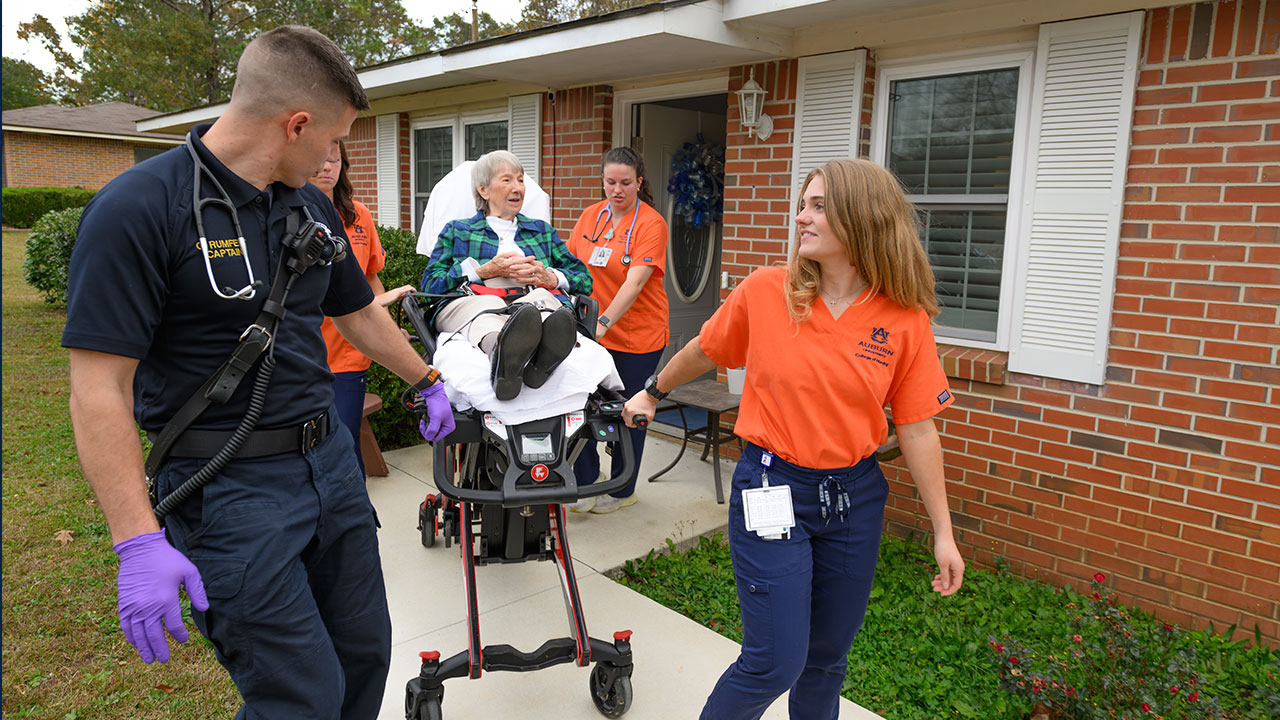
(198, 204)
(626, 250)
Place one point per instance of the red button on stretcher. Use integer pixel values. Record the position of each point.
(539, 473)
(427, 655)
(622, 635)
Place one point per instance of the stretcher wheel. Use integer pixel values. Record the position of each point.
(429, 710)
(612, 700)
(429, 521)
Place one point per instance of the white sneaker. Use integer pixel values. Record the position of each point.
(583, 506)
(608, 503)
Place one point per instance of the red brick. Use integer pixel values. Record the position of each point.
(1190, 155)
(1215, 213)
(1193, 114)
(1202, 291)
(1158, 36)
(1228, 134)
(1249, 275)
(1157, 174)
(1241, 313)
(1255, 112)
(1221, 174)
(1196, 74)
(1250, 194)
(1184, 271)
(1258, 68)
(1232, 91)
(1247, 33)
(1245, 233)
(1179, 33)
(1140, 211)
(1237, 351)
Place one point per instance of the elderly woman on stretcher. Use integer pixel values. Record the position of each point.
(516, 276)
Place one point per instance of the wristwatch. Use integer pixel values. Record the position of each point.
(651, 387)
(604, 320)
(431, 378)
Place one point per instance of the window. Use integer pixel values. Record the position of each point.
(951, 141)
(432, 160)
(144, 152)
(486, 137)
(441, 144)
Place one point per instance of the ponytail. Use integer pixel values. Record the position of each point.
(626, 156)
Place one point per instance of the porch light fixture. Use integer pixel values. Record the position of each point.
(751, 109)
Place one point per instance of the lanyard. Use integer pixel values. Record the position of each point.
(626, 249)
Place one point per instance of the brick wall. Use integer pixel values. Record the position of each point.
(757, 174)
(39, 160)
(362, 151)
(1166, 477)
(577, 130)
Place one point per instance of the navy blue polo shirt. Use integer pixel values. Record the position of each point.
(139, 287)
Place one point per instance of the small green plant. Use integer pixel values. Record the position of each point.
(49, 254)
(23, 206)
(1113, 667)
(393, 426)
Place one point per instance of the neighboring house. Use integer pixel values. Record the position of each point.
(1100, 182)
(56, 146)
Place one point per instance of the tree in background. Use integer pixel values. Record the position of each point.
(453, 30)
(173, 54)
(24, 85)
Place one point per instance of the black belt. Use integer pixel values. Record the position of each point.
(260, 443)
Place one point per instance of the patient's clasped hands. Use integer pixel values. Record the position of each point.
(524, 269)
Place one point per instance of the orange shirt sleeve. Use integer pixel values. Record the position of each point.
(649, 247)
(919, 389)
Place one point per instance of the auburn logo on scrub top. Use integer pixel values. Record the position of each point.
(880, 335)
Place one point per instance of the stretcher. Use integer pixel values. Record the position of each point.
(502, 489)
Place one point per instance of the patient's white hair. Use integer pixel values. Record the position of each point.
(490, 164)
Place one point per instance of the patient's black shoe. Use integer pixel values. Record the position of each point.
(516, 344)
(559, 335)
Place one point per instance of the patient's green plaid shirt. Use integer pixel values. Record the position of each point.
(474, 238)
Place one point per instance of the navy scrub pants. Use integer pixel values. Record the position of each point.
(348, 397)
(287, 548)
(634, 369)
(803, 598)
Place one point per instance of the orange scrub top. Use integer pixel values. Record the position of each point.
(646, 326)
(365, 249)
(815, 394)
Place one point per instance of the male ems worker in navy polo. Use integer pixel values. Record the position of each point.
(282, 540)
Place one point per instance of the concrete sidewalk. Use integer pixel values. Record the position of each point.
(677, 661)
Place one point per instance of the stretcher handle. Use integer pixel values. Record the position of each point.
(511, 496)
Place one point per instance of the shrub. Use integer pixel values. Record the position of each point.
(1112, 667)
(24, 206)
(393, 426)
(49, 253)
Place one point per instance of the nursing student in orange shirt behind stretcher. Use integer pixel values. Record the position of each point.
(828, 341)
(350, 368)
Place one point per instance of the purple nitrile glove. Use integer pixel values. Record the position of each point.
(150, 572)
(439, 420)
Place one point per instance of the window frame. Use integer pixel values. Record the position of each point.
(458, 123)
(1021, 57)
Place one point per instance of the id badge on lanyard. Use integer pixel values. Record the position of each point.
(767, 510)
(600, 256)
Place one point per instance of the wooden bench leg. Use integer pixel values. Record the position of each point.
(374, 464)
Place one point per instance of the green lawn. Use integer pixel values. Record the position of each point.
(64, 656)
(923, 657)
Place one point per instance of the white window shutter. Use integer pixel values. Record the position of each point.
(389, 170)
(1082, 110)
(524, 129)
(828, 110)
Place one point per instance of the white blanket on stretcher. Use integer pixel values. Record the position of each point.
(466, 380)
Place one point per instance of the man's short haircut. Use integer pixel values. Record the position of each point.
(295, 68)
